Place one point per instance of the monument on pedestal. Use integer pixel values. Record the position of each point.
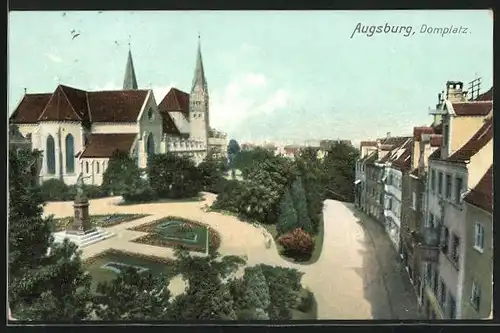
(81, 231)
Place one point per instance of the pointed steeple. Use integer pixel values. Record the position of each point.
(130, 81)
(199, 73)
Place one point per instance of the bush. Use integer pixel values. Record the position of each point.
(121, 175)
(57, 190)
(144, 193)
(174, 177)
(297, 243)
(300, 205)
(54, 190)
(306, 300)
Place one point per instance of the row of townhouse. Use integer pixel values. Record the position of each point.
(433, 193)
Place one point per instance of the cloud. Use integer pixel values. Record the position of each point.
(246, 96)
(53, 57)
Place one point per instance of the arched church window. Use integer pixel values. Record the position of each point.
(87, 167)
(150, 114)
(50, 155)
(150, 148)
(97, 167)
(70, 154)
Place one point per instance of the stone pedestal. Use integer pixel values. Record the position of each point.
(81, 224)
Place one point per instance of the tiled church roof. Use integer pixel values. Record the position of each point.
(70, 104)
(30, 108)
(175, 101)
(104, 145)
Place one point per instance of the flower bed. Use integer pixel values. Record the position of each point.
(104, 221)
(158, 260)
(157, 238)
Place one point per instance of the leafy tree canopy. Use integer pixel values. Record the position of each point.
(121, 175)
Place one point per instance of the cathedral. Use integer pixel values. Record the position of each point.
(79, 130)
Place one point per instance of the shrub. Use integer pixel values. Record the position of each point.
(121, 175)
(297, 243)
(144, 193)
(54, 190)
(174, 177)
(256, 289)
(306, 300)
(287, 218)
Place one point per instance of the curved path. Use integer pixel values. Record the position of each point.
(356, 277)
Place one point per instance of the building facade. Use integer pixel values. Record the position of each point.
(463, 158)
(79, 130)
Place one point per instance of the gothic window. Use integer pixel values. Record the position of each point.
(150, 114)
(97, 167)
(86, 167)
(70, 154)
(50, 155)
(150, 148)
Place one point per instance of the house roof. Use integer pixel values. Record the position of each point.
(368, 143)
(71, 104)
(403, 161)
(104, 145)
(482, 195)
(436, 140)
(475, 143)
(470, 109)
(487, 96)
(394, 141)
(369, 159)
(418, 131)
(175, 101)
(436, 155)
(30, 108)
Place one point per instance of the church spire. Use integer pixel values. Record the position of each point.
(130, 81)
(199, 73)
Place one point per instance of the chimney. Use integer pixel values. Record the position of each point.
(454, 91)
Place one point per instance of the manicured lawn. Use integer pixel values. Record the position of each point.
(318, 243)
(106, 265)
(103, 221)
(178, 232)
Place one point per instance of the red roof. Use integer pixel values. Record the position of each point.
(368, 143)
(436, 140)
(116, 106)
(470, 109)
(403, 162)
(168, 124)
(487, 96)
(482, 195)
(104, 145)
(70, 104)
(418, 131)
(175, 101)
(30, 108)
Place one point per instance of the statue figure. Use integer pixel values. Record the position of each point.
(80, 185)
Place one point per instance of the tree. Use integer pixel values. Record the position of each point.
(287, 218)
(339, 167)
(211, 171)
(300, 205)
(233, 148)
(43, 284)
(174, 176)
(133, 296)
(311, 171)
(207, 297)
(256, 291)
(121, 175)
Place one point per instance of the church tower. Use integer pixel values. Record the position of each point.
(198, 102)
(130, 81)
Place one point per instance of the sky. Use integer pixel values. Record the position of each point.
(286, 76)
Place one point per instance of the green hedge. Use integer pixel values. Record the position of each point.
(57, 190)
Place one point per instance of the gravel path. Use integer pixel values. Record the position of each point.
(351, 279)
